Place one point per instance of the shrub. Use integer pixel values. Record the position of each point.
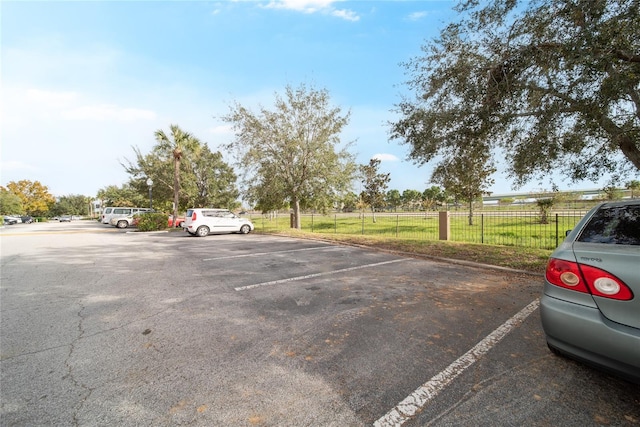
(153, 222)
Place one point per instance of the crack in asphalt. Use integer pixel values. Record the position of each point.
(86, 336)
(70, 369)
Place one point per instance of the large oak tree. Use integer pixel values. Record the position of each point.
(292, 154)
(552, 84)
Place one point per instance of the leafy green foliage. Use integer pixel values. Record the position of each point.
(35, 197)
(551, 84)
(212, 182)
(348, 202)
(634, 186)
(126, 195)
(10, 203)
(611, 193)
(393, 199)
(290, 155)
(152, 221)
(203, 178)
(465, 176)
(545, 204)
(73, 204)
(433, 196)
(375, 185)
(411, 199)
(177, 144)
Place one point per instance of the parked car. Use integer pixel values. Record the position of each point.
(590, 307)
(17, 218)
(122, 221)
(127, 221)
(8, 220)
(110, 212)
(179, 221)
(132, 220)
(106, 214)
(26, 219)
(201, 222)
(65, 218)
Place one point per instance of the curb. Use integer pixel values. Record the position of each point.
(422, 256)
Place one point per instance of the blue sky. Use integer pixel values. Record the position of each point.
(85, 81)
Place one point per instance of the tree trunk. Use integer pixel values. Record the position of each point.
(296, 214)
(176, 189)
(471, 212)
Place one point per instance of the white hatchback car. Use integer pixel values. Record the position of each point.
(204, 221)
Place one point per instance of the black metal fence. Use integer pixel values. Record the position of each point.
(510, 228)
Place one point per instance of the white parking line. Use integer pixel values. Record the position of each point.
(410, 406)
(270, 253)
(308, 276)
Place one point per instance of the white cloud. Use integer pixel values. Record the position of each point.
(27, 106)
(416, 16)
(313, 6)
(386, 157)
(107, 112)
(50, 98)
(349, 15)
(221, 130)
(307, 6)
(16, 165)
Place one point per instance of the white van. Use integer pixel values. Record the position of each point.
(113, 212)
(106, 212)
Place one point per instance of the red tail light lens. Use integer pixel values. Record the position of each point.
(566, 275)
(587, 279)
(604, 284)
(193, 216)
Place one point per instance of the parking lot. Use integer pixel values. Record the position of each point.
(101, 326)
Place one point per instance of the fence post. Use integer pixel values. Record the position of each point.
(444, 230)
(482, 228)
(557, 230)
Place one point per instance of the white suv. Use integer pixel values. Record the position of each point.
(201, 222)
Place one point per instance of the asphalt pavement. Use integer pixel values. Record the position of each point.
(100, 326)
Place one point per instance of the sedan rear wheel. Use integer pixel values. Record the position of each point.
(202, 231)
(245, 229)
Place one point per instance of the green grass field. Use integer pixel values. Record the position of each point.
(521, 229)
(507, 239)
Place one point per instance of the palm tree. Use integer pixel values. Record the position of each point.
(179, 143)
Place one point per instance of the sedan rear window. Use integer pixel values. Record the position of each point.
(615, 225)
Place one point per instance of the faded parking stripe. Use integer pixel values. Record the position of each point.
(410, 406)
(309, 276)
(269, 253)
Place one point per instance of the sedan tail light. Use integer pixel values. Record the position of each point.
(586, 279)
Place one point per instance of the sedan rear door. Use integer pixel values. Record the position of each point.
(610, 241)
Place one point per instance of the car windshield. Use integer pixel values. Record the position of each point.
(615, 225)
